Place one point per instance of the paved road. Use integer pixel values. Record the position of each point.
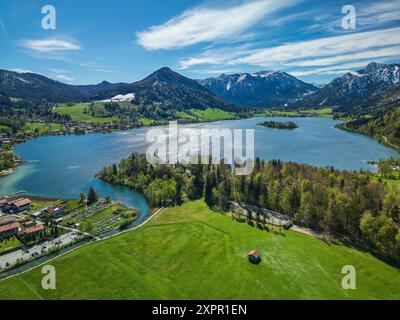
(20, 255)
(13, 257)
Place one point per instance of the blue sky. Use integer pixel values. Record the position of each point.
(125, 40)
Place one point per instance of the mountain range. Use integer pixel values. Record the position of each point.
(37, 87)
(170, 89)
(259, 89)
(354, 90)
(164, 86)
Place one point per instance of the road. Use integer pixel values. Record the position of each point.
(22, 255)
(65, 239)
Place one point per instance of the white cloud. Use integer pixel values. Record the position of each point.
(337, 45)
(208, 24)
(50, 45)
(379, 12)
(96, 67)
(21, 70)
(58, 71)
(64, 77)
(369, 54)
(2, 27)
(215, 56)
(340, 69)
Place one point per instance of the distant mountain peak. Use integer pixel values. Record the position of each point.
(354, 87)
(265, 88)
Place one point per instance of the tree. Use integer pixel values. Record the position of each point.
(208, 191)
(387, 236)
(82, 197)
(178, 198)
(92, 196)
(385, 168)
(114, 169)
(391, 204)
(88, 227)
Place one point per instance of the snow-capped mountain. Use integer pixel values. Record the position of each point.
(354, 87)
(170, 89)
(259, 89)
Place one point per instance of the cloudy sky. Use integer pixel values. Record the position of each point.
(125, 40)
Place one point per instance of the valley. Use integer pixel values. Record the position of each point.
(160, 261)
(72, 131)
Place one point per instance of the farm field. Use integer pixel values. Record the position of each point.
(41, 128)
(190, 252)
(77, 113)
(210, 114)
(9, 244)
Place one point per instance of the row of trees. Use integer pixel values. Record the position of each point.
(350, 204)
(279, 125)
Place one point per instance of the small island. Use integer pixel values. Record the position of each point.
(289, 125)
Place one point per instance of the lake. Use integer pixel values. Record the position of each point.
(63, 166)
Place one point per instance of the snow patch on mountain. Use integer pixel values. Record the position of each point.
(121, 98)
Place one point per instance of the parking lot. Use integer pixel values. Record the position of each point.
(12, 258)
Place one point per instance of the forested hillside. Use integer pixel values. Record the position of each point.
(385, 128)
(335, 202)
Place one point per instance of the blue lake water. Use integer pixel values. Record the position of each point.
(63, 166)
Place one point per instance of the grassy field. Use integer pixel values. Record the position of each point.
(9, 244)
(325, 113)
(145, 121)
(210, 114)
(76, 112)
(43, 128)
(192, 253)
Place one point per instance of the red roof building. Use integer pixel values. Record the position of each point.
(9, 230)
(19, 205)
(56, 210)
(254, 256)
(33, 232)
(7, 220)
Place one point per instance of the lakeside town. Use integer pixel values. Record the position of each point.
(31, 227)
(9, 161)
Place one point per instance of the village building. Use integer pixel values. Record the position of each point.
(19, 205)
(54, 210)
(9, 230)
(36, 214)
(4, 220)
(32, 233)
(58, 220)
(3, 202)
(29, 224)
(254, 256)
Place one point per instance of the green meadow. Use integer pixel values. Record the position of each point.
(190, 252)
(42, 128)
(210, 114)
(78, 112)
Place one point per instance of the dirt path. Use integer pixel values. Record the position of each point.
(306, 231)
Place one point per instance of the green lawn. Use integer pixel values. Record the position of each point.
(145, 121)
(9, 244)
(76, 112)
(192, 253)
(42, 127)
(324, 113)
(210, 114)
